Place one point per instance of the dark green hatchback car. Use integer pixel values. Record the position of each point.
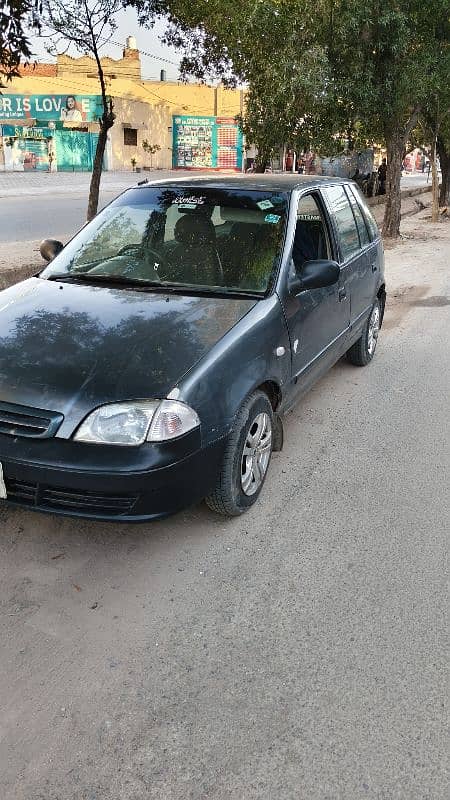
(149, 365)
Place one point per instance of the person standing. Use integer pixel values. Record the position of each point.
(382, 174)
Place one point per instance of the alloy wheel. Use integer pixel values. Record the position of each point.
(373, 329)
(256, 454)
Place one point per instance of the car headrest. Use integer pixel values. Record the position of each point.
(193, 229)
(247, 215)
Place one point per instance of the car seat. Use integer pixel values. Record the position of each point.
(194, 258)
(238, 248)
(309, 242)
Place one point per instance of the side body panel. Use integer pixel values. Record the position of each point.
(318, 320)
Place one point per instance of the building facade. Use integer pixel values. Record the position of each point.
(49, 119)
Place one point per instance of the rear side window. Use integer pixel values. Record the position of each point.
(345, 221)
(360, 222)
(372, 226)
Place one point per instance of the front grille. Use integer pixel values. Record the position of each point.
(30, 422)
(49, 497)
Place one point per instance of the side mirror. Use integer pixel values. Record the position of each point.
(50, 248)
(315, 275)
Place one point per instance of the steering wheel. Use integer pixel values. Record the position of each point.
(128, 248)
(148, 255)
(159, 262)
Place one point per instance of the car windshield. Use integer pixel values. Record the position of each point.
(183, 236)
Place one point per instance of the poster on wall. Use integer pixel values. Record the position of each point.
(28, 149)
(206, 143)
(69, 109)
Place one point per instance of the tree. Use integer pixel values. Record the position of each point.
(271, 46)
(374, 62)
(15, 16)
(150, 149)
(436, 109)
(86, 26)
(383, 59)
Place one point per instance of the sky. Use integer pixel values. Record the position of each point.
(147, 42)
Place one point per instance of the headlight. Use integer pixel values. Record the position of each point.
(137, 422)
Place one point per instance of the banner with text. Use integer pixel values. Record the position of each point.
(68, 108)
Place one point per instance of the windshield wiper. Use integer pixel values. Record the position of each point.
(164, 286)
(119, 280)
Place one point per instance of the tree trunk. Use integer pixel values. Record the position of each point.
(434, 185)
(263, 155)
(94, 187)
(444, 158)
(392, 212)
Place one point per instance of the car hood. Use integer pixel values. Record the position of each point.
(69, 347)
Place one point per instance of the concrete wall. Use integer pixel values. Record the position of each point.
(127, 67)
(152, 123)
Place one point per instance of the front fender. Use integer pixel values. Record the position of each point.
(253, 352)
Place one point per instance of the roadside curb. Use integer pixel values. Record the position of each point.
(381, 199)
(13, 275)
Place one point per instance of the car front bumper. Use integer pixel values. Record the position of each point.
(109, 483)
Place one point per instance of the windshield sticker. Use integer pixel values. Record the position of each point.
(273, 218)
(187, 206)
(276, 200)
(196, 201)
(264, 205)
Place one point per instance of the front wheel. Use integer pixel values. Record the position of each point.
(246, 459)
(362, 352)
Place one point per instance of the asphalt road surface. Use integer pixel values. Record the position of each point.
(296, 653)
(44, 217)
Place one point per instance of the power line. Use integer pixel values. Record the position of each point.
(143, 52)
(79, 84)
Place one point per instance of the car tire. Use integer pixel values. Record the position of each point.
(362, 352)
(246, 458)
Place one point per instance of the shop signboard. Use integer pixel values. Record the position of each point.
(67, 108)
(207, 143)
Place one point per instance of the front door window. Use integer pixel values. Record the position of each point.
(311, 241)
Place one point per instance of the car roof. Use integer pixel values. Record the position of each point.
(266, 182)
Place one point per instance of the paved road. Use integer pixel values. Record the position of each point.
(296, 653)
(40, 217)
(42, 204)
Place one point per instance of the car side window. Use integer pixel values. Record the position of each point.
(372, 226)
(345, 221)
(360, 222)
(311, 240)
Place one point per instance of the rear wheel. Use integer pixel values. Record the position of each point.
(246, 459)
(362, 352)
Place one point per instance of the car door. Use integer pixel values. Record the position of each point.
(373, 248)
(317, 319)
(354, 247)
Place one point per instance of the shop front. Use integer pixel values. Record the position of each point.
(48, 132)
(31, 149)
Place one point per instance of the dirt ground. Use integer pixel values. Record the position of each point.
(294, 653)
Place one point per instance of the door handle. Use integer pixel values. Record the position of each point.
(374, 266)
(342, 294)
